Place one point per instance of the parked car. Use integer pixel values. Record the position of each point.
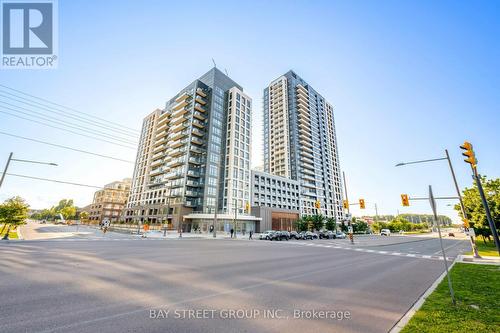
(285, 235)
(327, 234)
(295, 235)
(385, 232)
(267, 235)
(340, 235)
(310, 235)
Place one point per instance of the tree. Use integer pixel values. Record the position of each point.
(331, 224)
(317, 222)
(360, 227)
(13, 211)
(302, 224)
(474, 206)
(68, 212)
(84, 217)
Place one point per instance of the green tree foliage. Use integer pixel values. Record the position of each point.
(399, 224)
(64, 207)
(331, 224)
(360, 227)
(13, 211)
(474, 206)
(302, 224)
(317, 222)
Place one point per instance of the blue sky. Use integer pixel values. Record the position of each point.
(407, 79)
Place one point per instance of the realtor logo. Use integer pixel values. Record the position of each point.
(29, 36)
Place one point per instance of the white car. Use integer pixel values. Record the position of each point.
(267, 235)
(385, 232)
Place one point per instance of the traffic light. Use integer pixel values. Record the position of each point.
(346, 204)
(247, 206)
(469, 153)
(317, 204)
(362, 203)
(405, 200)
(466, 223)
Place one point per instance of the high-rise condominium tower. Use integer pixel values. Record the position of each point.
(300, 143)
(194, 156)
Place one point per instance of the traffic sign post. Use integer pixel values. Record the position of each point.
(436, 220)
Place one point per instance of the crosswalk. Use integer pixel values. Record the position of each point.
(331, 245)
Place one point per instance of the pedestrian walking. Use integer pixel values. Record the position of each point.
(232, 232)
(250, 234)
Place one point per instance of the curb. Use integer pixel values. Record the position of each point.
(418, 304)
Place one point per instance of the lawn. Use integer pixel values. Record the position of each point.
(476, 285)
(3, 231)
(488, 249)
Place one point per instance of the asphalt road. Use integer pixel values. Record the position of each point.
(111, 285)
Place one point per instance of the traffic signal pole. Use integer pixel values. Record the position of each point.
(471, 159)
(462, 206)
(351, 231)
(493, 228)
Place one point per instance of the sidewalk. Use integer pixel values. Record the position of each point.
(484, 260)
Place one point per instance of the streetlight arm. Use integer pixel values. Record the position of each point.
(36, 162)
(421, 161)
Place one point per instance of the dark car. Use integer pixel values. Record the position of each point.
(310, 235)
(327, 234)
(295, 235)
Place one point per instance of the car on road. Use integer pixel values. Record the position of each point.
(267, 235)
(295, 235)
(340, 235)
(385, 232)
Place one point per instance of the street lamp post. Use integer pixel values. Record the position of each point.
(10, 159)
(462, 206)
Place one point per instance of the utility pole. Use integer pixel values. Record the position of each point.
(5, 169)
(376, 213)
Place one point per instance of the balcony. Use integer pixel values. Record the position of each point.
(198, 123)
(179, 112)
(193, 183)
(192, 194)
(196, 140)
(179, 106)
(196, 149)
(176, 162)
(179, 119)
(200, 100)
(179, 135)
(161, 134)
(177, 152)
(160, 141)
(200, 92)
(192, 173)
(174, 175)
(182, 97)
(178, 143)
(179, 127)
(197, 132)
(195, 160)
(199, 116)
(159, 149)
(199, 107)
